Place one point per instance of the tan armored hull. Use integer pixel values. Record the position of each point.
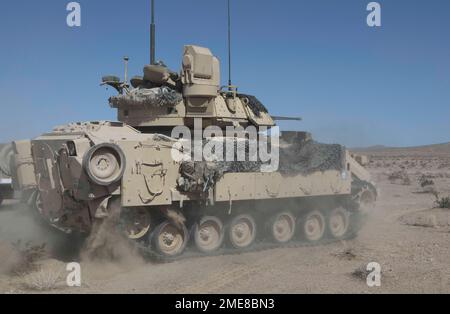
(81, 174)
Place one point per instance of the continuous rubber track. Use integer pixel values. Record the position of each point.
(261, 245)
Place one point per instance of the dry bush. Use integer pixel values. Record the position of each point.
(43, 280)
(361, 273)
(399, 177)
(443, 202)
(424, 181)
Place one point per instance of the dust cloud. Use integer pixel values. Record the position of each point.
(107, 244)
(101, 255)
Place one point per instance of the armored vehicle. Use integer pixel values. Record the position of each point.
(6, 189)
(145, 169)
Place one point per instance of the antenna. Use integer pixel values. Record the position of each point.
(229, 45)
(152, 34)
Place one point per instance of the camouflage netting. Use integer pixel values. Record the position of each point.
(311, 156)
(300, 157)
(254, 104)
(199, 176)
(146, 97)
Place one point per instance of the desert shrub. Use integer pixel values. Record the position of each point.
(424, 181)
(443, 202)
(400, 177)
(43, 280)
(361, 273)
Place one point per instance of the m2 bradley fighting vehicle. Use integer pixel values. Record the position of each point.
(146, 173)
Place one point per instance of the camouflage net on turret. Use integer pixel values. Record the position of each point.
(147, 97)
(299, 157)
(254, 104)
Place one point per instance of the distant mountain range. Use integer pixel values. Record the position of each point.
(435, 149)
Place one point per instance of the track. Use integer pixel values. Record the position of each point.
(261, 245)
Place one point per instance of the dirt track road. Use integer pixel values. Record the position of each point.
(414, 259)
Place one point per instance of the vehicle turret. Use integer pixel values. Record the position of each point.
(162, 98)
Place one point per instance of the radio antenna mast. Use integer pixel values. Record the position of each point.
(152, 33)
(229, 45)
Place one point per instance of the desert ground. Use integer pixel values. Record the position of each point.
(405, 234)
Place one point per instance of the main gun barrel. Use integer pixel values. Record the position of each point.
(278, 118)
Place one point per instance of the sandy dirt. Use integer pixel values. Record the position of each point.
(408, 238)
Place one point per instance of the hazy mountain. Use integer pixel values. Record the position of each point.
(435, 149)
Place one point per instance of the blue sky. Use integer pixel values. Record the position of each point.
(318, 59)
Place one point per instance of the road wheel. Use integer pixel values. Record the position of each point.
(312, 226)
(282, 227)
(208, 234)
(168, 239)
(242, 231)
(338, 223)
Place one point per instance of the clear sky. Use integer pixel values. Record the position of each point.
(318, 59)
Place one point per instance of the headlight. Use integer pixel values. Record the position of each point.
(104, 164)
